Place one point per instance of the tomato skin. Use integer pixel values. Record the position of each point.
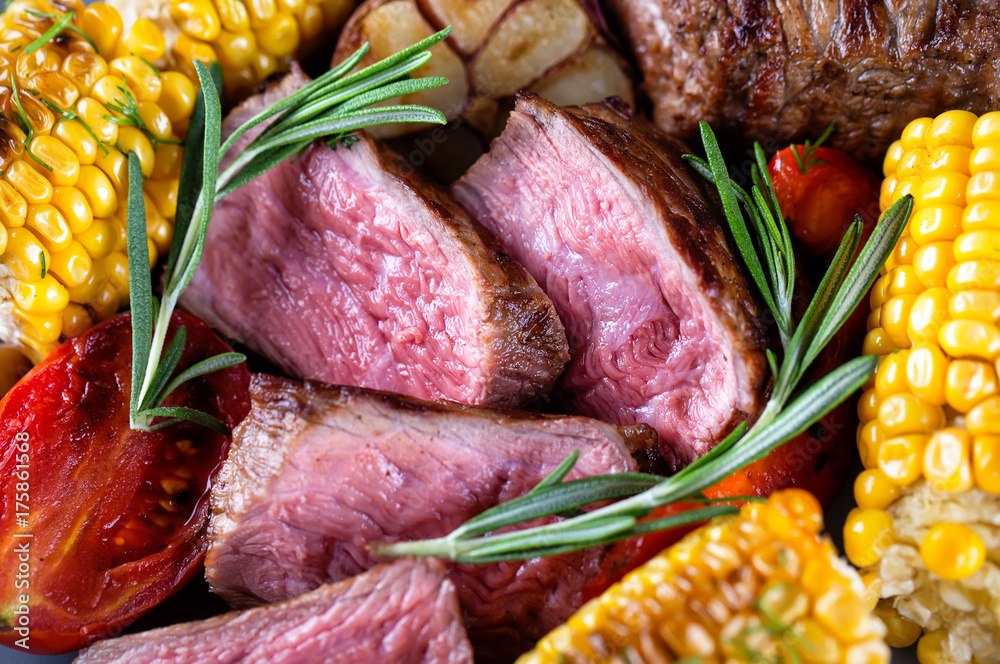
(107, 542)
(820, 204)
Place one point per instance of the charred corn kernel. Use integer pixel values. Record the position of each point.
(60, 164)
(143, 78)
(952, 551)
(986, 462)
(178, 96)
(13, 207)
(45, 296)
(899, 632)
(84, 69)
(197, 18)
(926, 373)
(935, 224)
(891, 376)
(947, 463)
(877, 342)
(104, 27)
(902, 414)
(968, 383)
(143, 40)
(901, 458)
(870, 438)
(99, 239)
(646, 617)
(895, 319)
(970, 339)
(874, 490)
(72, 266)
(868, 406)
(867, 534)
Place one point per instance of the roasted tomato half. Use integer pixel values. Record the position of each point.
(99, 523)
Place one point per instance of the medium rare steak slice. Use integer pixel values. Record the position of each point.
(344, 266)
(403, 613)
(601, 210)
(781, 71)
(317, 473)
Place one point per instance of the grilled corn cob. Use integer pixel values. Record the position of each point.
(251, 39)
(761, 586)
(74, 107)
(928, 516)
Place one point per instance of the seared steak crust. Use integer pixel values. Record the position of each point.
(602, 211)
(781, 71)
(403, 613)
(317, 473)
(345, 266)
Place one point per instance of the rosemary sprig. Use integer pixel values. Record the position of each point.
(791, 410)
(330, 106)
(806, 159)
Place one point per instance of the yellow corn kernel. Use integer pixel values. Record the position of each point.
(29, 183)
(73, 265)
(984, 418)
(99, 192)
(944, 189)
(877, 342)
(164, 195)
(895, 319)
(13, 207)
(901, 458)
(985, 131)
(892, 157)
(974, 275)
(936, 224)
(49, 226)
(186, 51)
(178, 96)
(977, 245)
(56, 89)
(970, 339)
(926, 373)
(890, 377)
(902, 280)
(25, 257)
(986, 158)
(911, 185)
(914, 135)
(930, 646)
(236, 50)
(952, 551)
(978, 305)
(120, 231)
(261, 11)
(870, 438)
(310, 19)
(968, 383)
(197, 18)
(879, 292)
(143, 40)
(3, 239)
(279, 36)
(84, 69)
(900, 632)
(902, 414)
(42, 329)
(156, 121)
(903, 253)
(928, 313)
(984, 186)
(117, 268)
(951, 128)
(99, 239)
(104, 27)
(142, 77)
(90, 290)
(93, 113)
(874, 490)
(986, 461)
(45, 296)
(75, 320)
(867, 535)
(946, 462)
(132, 139)
(76, 137)
(110, 91)
(233, 15)
(947, 158)
(61, 166)
(910, 164)
(874, 319)
(886, 196)
(868, 406)
(74, 208)
(115, 166)
(106, 303)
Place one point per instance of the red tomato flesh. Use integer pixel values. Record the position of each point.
(99, 523)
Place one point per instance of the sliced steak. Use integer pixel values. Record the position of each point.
(345, 266)
(403, 613)
(781, 71)
(317, 473)
(602, 211)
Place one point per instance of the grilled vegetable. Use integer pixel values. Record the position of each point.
(250, 39)
(759, 586)
(71, 116)
(928, 502)
(552, 47)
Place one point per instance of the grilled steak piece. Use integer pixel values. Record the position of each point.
(316, 473)
(403, 613)
(782, 71)
(601, 210)
(345, 266)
